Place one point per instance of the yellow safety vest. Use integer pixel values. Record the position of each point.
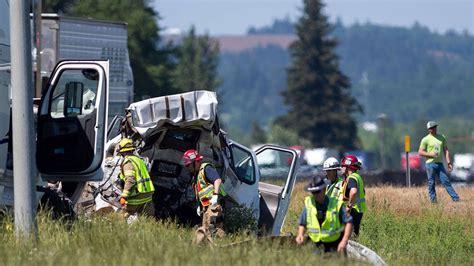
(203, 189)
(331, 228)
(359, 204)
(143, 185)
(333, 190)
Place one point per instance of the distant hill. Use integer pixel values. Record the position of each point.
(407, 73)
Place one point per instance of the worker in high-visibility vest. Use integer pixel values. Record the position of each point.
(331, 166)
(137, 193)
(209, 191)
(325, 219)
(353, 191)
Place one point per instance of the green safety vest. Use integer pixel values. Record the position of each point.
(144, 183)
(331, 228)
(334, 189)
(203, 189)
(359, 204)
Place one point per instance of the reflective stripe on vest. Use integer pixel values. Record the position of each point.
(359, 205)
(334, 189)
(133, 201)
(331, 228)
(144, 183)
(203, 189)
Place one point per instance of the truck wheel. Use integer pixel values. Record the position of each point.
(57, 204)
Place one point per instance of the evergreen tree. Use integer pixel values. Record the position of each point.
(198, 57)
(258, 133)
(321, 107)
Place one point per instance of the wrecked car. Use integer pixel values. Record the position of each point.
(163, 128)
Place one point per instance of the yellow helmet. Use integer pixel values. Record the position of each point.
(126, 145)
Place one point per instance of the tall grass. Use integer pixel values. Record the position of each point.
(401, 226)
(110, 241)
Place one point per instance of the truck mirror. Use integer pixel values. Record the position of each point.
(73, 98)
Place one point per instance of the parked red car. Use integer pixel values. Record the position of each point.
(415, 160)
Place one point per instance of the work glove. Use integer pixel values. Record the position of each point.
(123, 201)
(213, 200)
(198, 210)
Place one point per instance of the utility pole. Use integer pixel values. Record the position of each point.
(382, 124)
(24, 171)
(37, 9)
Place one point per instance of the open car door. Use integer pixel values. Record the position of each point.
(277, 166)
(72, 121)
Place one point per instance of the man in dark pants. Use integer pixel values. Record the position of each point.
(208, 187)
(325, 219)
(353, 191)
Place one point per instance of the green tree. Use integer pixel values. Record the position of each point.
(56, 6)
(152, 65)
(285, 136)
(318, 92)
(258, 133)
(198, 57)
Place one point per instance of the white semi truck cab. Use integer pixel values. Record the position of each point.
(71, 124)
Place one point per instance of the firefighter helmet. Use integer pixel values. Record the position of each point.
(351, 162)
(331, 163)
(126, 144)
(190, 156)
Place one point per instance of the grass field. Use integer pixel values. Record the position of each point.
(401, 226)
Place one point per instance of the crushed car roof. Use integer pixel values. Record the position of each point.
(196, 108)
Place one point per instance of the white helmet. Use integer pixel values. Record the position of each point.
(331, 163)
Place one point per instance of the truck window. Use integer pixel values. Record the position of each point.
(82, 89)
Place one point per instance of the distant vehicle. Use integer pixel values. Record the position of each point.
(316, 157)
(65, 38)
(366, 158)
(463, 166)
(416, 161)
(167, 126)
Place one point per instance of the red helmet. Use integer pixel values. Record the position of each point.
(190, 156)
(351, 162)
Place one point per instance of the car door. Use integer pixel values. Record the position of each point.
(277, 168)
(72, 121)
(242, 182)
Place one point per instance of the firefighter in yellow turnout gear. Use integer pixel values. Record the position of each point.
(208, 188)
(325, 219)
(137, 193)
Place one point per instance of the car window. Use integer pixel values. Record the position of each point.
(243, 164)
(274, 166)
(180, 139)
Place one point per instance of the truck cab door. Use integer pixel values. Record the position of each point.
(72, 121)
(277, 167)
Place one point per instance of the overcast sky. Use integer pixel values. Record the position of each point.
(236, 16)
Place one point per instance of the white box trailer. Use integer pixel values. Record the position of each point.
(67, 38)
